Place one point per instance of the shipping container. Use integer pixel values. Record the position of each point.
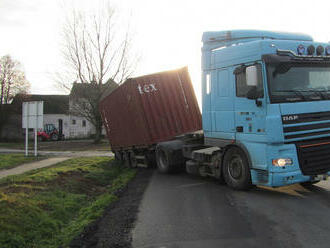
(149, 109)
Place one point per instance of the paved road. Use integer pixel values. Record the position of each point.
(184, 211)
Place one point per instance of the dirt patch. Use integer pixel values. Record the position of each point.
(75, 182)
(114, 228)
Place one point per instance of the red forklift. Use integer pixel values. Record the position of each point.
(50, 133)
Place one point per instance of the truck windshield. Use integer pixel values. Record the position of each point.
(289, 82)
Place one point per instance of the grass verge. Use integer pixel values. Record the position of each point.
(66, 145)
(12, 160)
(49, 207)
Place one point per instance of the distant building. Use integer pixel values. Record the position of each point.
(58, 110)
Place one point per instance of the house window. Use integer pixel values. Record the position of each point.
(84, 123)
(73, 122)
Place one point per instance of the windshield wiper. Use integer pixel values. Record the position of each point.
(318, 93)
(296, 92)
(325, 96)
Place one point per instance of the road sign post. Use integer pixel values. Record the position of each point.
(32, 117)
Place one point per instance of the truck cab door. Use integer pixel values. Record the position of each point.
(250, 114)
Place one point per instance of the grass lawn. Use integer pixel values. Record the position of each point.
(12, 160)
(48, 207)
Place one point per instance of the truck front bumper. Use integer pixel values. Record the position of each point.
(278, 179)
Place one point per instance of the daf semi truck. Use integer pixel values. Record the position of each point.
(265, 113)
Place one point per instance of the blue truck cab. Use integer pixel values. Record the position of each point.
(266, 104)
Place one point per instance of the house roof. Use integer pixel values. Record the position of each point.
(53, 104)
(86, 89)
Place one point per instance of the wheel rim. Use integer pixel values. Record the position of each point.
(235, 167)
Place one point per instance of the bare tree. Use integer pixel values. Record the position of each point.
(12, 82)
(98, 54)
(12, 79)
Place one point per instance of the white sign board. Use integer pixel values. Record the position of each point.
(32, 116)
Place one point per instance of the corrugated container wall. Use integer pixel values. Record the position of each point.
(150, 109)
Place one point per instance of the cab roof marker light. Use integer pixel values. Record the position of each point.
(327, 50)
(293, 54)
(301, 49)
(319, 50)
(310, 50)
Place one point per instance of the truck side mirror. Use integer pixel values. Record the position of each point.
(252, 82)
(252, 76)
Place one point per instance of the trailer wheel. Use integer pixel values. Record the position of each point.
(126, 159)
(118, 156)
(150, 159)
(236, 169)
(133, 160)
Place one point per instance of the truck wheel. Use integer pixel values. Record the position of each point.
(236, 169)
(118, 156)
(126, 159)
(163, 160)
(133, 160)
(150, 159)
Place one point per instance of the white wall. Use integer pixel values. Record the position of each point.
(70, 130)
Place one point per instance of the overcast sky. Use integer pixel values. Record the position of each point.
(167, 33)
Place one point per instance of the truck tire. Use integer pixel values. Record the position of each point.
(150, 159)
(133, 160)
(164, 161)
(236, 170)
(126, 159)
(118, 156)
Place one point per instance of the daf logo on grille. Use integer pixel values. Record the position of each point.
(290, 117)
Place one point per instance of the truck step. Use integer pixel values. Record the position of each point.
(208, 151)
(205, 153)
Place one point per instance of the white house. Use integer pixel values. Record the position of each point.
(58, 110)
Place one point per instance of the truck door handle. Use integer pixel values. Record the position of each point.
(239, 129)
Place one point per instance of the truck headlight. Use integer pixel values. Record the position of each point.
(282, 162)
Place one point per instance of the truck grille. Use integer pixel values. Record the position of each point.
(298, 127)
(314, 158)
